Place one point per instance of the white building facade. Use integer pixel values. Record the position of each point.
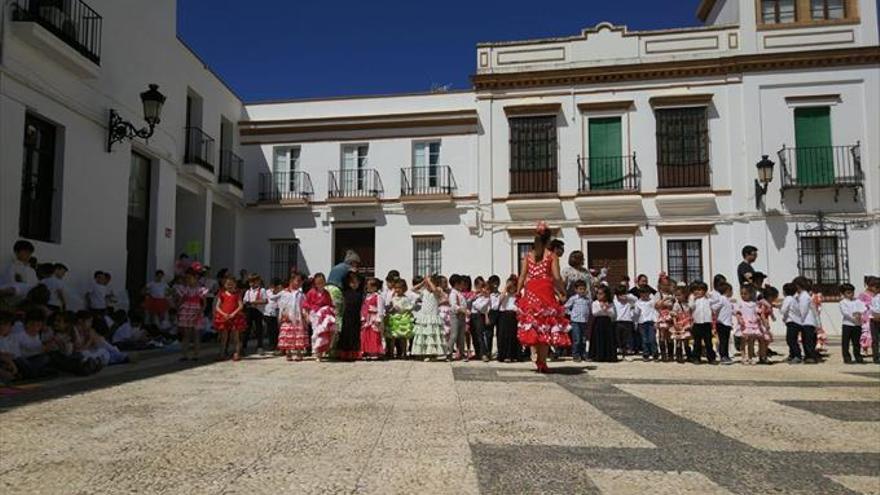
(639, 148)
(129, 211)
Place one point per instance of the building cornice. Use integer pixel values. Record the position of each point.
(450, 118)
(722, 66)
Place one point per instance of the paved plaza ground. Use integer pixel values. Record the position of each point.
(269, 426)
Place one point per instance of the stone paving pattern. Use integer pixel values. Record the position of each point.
(268, 426)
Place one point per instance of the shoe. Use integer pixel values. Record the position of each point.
(577, 359)
(448, 359)
(465, 359)
(260, 351)
(508, 360)
(764, 361)
(427, 360)
(860, 361)
(726, 361)
(289, 357)
(236, 357)
(809, 361)
(795, 360)
(485, 359)
(298, 358)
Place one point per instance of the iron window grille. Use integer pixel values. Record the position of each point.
(427, 256)
(823, 254)
(684, 260)
(283, 258)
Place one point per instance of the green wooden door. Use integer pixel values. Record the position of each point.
(606, 162)
(814, 155)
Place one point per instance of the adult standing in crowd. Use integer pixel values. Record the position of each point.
(744, 271)
(336, 282)
(576, 271)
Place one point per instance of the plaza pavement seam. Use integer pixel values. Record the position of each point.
(682, 445)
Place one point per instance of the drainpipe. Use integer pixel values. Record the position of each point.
(491, 185)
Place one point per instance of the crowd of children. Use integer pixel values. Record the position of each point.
(433, 318)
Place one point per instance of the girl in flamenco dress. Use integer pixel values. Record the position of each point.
(541, 318)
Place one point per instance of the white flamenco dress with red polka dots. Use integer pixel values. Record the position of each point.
(541, 318)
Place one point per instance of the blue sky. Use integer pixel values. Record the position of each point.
(276, 49)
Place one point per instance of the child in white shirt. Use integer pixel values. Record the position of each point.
(851, 309)
(624, 326)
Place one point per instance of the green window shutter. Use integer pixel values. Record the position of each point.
(814, 155)
(606, 162)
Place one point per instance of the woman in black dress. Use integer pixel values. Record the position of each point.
(350, 335)
(603, 345)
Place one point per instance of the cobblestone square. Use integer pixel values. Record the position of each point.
(269, 426)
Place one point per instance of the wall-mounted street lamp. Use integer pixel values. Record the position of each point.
(765, 177)
(119, 129)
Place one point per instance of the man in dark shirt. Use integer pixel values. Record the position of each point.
(745, 271)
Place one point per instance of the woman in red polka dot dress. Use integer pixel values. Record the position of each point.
(541, 317)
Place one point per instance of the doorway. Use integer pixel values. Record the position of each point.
(611, 254)
(137, 239)
(361, 240)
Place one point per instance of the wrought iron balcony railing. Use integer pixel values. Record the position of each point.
(231, 169)
(355, 183)
(428, 180)
(72, 21)
(285, 186)
(822, 167)
(609, 173)
(199, 148)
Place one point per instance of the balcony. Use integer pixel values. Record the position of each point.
(198, 155)
(69, 31)
(822, 167)
(355, 186)
(427, 185)
(609, 174)
(285, 189)
(231, 173)
(609, 188)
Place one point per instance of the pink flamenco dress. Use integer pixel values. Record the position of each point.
(541, 318)
(372, 329)
(322, 315)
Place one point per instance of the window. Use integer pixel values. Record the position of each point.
(522, 249)
(682, 147)
(426, 162)
(283, 258)
(533, 154)
(823, 10)
(684, 260)
(778, 11)
(822, 255)
(354, 163)
(426, 255)
(285, 167)
(38, 211)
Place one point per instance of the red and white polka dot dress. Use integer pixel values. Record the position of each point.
(541, 317)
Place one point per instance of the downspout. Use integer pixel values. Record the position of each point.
(491, 184)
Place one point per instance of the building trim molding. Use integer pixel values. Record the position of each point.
(533, 109)
(721, 66)
(606, 106)
(684, 228)
(448, 118)
(606, 230)
(681, 100)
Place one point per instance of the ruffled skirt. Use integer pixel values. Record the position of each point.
(428, 339)
(293, 337)
(400, 326)
(323, 329)
(541, 319)
(190, 315)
